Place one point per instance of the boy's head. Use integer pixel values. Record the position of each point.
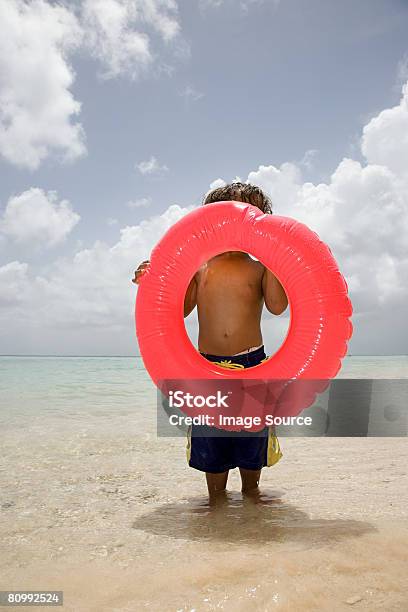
(240, 192)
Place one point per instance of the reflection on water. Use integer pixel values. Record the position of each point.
(242, 520)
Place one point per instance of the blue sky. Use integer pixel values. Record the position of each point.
(153, 100)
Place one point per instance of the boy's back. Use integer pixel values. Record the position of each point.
(229, 300)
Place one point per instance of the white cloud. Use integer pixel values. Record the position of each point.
(140, 203)
(402, 71)
(37, 110)
(116, 32)
(362, 212)
(308, 159)
(385, 138)
(211, 3)
(281, 183)
(244, 5)
(91, 290)
(161, 15)
(111, 40)
(190, 94)
(35, 216)
(13, 283)
(219, 182)
(151, 166)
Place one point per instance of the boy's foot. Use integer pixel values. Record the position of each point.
(250, 481)
(218, 499)
(216, 483)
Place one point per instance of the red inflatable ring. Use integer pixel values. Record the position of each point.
(319, 304)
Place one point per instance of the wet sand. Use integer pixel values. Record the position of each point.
(111, 515)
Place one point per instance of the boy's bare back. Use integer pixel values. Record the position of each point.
(228, 293)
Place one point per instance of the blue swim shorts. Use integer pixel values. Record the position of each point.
(242, 449)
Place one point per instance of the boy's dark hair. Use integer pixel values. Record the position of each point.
(241, 192)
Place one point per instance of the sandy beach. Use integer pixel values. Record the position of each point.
(94, 504)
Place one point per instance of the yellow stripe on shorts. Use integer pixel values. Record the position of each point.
(274, 453)
(227, 363)
(188, 447)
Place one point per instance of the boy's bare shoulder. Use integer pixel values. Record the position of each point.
(201, 269)
(246, 265)
(257, 266)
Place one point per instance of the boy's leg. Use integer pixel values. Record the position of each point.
(216, 482)
(211, 454)
(250, 480)
(252, 453)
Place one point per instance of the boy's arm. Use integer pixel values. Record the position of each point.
(274, 294)
(190, 300)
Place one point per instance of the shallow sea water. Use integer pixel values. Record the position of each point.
(94, 504)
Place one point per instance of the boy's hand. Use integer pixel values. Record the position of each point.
(140, 271)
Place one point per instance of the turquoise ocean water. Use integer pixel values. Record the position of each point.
(119, 381)
(76, 386)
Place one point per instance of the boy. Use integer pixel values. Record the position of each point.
(229, 292)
